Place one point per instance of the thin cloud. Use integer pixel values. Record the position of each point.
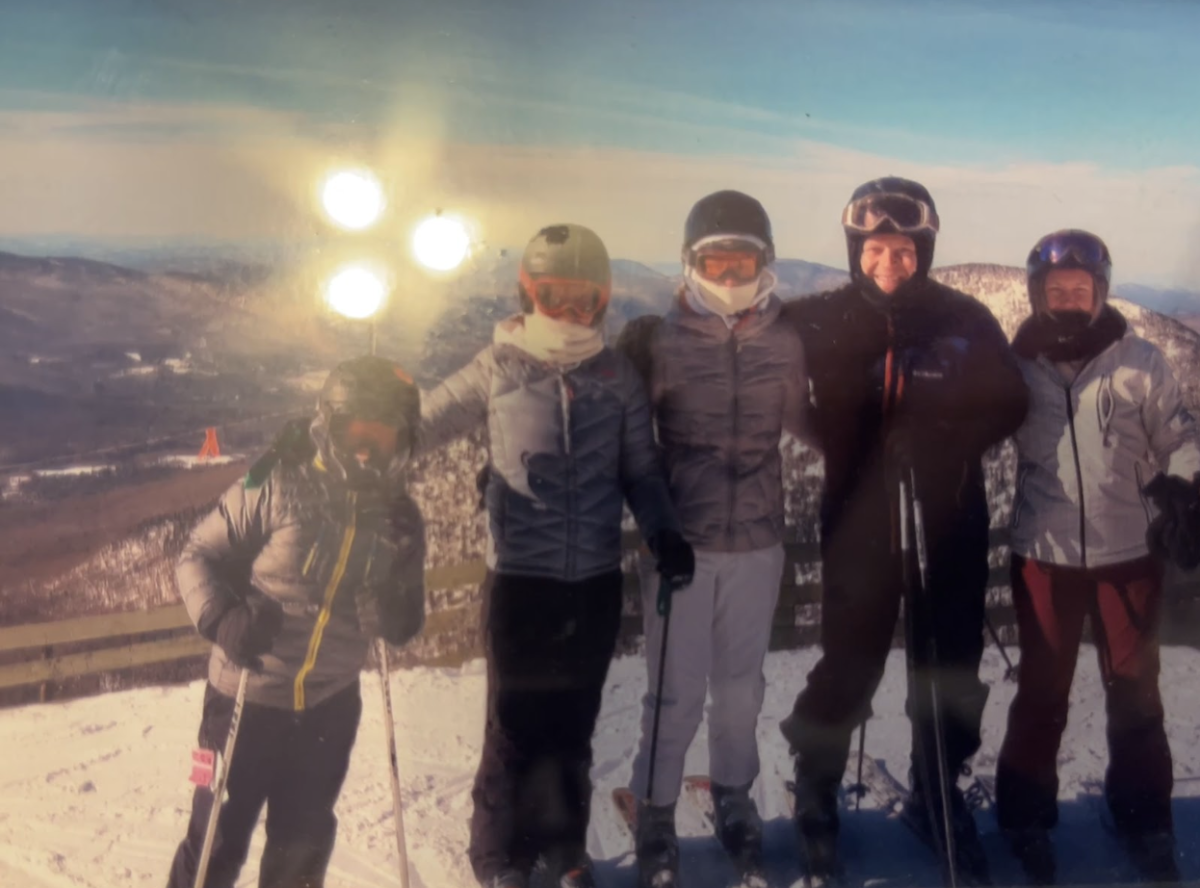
(91, 174)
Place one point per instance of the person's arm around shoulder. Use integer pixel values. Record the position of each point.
(457, 406)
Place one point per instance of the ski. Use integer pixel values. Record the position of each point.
(697, 789)
(626, 805)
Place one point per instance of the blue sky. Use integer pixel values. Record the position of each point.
(945, 86)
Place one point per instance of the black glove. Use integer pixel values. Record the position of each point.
(1175, 534)
(675, 560)
(247, 630)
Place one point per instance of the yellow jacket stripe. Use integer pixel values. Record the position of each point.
(335, 580)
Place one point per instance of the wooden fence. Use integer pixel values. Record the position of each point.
(47, 653)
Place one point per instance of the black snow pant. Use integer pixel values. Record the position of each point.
(862, 590)
(294, 763)
(548, 645)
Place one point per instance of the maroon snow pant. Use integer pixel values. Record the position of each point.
(548, 645)
(1124, 602)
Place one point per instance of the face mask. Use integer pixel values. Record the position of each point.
(560, 342)
(1069, 324)
(730, 299)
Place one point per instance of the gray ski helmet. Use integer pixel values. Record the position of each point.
(728, 212)
(565, 252)
(923, 239)
(368, 388)
(1069, 248)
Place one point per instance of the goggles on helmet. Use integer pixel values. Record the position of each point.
(738, 260)
(905, 214)
(1070, 249)
(567, 299)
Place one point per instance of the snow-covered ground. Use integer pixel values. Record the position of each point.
(94, 792)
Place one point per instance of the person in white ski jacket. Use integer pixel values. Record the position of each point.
(1107, 430)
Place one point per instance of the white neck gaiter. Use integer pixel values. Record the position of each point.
(557, 342)
(728, 302)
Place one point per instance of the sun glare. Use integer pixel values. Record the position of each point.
(356, 292)
(441, 243)
(353, 199)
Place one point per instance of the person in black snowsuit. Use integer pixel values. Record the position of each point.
(903, 370)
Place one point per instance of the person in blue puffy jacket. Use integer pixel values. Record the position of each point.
(570, 442)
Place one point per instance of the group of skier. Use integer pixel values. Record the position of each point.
(901, 383)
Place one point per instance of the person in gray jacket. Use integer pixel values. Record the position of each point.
(569, 443)
(317, 550)
(725, 378)
(1106, 414)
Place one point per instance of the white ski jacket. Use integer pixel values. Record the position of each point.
(1087, 448)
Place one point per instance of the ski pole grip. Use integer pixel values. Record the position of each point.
(666, 589)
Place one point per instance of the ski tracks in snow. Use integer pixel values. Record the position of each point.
(94, 792)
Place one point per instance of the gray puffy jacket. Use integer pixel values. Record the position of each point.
(321, 551)
(722, 395)
(1088, 447)
(567, 446)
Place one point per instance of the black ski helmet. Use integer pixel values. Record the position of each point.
(1068, 248)
(923, 239)
(727, 212)
(368, 388)
(568, 252)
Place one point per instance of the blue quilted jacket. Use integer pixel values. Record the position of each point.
(568, 446)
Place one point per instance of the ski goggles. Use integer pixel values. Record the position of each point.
(1065, 247)
(352, 435)
(567, 299)
(905, 214)
(737, 260)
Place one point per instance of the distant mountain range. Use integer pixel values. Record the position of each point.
(226, 339)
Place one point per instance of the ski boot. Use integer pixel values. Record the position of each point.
(568, 867)
(1153, 854)
(816, 820)
(1034, 849)
(740, 831)
(970, 855)
(657, 846)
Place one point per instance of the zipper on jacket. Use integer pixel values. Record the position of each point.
(733, 375)
(564, 394)
(1078, 477)
(335, 580)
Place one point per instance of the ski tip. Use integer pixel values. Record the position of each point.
(699, 781)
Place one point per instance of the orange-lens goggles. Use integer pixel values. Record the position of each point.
(738, 265)
(576, 300)
(353, 435)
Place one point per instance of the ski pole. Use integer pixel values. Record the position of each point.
(381, 654)
(218, 787)
(393, 763)
(910, 539)
(858, 788)
(665, 592)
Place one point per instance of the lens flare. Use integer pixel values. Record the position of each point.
(441, 243)
(353, 199)
(356, 292)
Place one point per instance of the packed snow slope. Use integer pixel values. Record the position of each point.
(95, 792)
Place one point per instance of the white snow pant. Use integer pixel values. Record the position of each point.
(720, 630)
